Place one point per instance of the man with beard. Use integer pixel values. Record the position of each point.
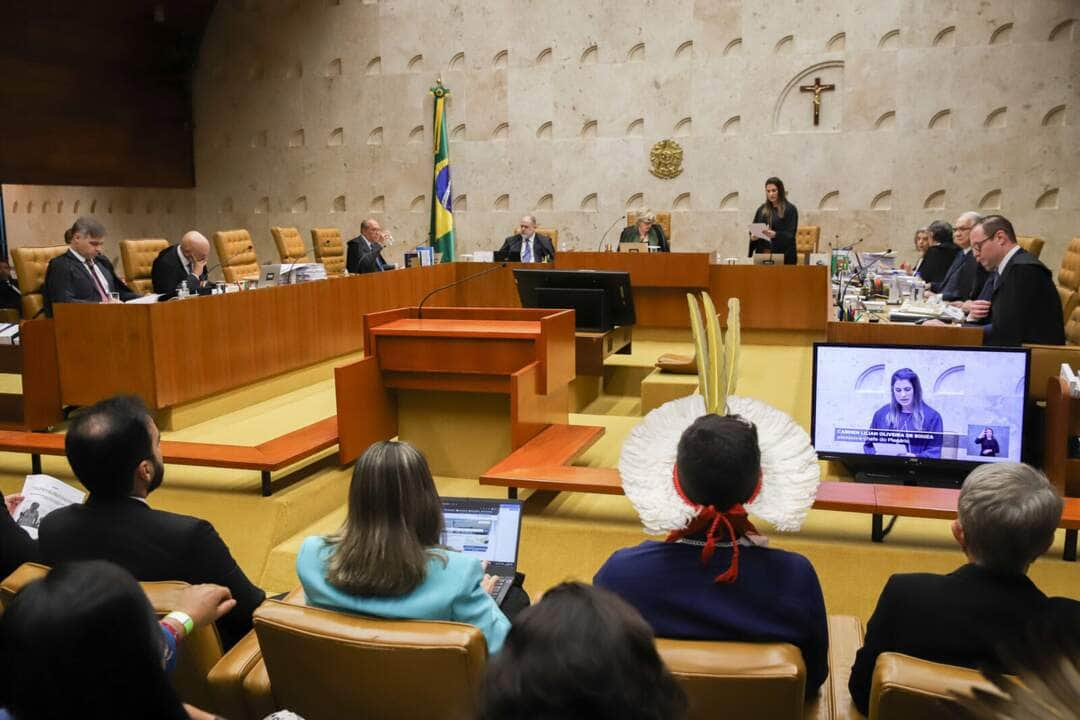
(114, 448)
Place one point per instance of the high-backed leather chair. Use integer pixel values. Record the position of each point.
(807, 238)
(1033, 245)
(290, 244)
(325, 665)
(550, 232)
(663, 219)
(906, 687)
(138, 256)
(329, 250)
(748, 680)
(196, 654)
(236, 253)
(1069, 272)
(30, 265)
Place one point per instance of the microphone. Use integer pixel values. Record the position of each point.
(420, 307)
(215, 267)
(287, 267)
(604, 236)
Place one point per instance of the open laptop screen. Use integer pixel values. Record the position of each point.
(486, 529)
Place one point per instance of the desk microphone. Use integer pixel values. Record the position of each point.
(604, 236)
(420, 307)
(223, 262)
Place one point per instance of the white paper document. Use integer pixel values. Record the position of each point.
(144, 299)
(757, 230)
(41, 495)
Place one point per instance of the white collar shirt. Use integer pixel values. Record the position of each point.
(97, 269)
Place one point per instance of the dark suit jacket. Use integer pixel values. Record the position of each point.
(151, 545)
(67, 280)
(957, 619)
(16, 547)
(10, 297)
(965, 278)
(543, 249)
(630, 235)
(359, 258)
(936, 263)
(168, 272)
(1024, 305)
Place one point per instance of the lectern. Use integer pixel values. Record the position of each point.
(465, 385)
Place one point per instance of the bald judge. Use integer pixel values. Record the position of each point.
(185, 262)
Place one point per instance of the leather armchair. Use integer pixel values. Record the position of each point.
(807, 238)
(324, 664)
(30, 265)
(663, 219)
(236, 252)
(1033, 245)
(196, 655)
(552, 233)
(138, 256)
(907, 687)
(329, 250)
(290, 244)
(1069, 272)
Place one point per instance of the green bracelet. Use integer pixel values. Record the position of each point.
(184, 619)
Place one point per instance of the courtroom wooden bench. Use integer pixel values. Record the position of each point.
(274, 454)
(549, 454)
(876, 500)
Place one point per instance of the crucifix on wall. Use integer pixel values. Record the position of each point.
(817, 88)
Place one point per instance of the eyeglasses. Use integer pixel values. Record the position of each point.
(978, 245)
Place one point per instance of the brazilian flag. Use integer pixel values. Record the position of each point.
(442, 214)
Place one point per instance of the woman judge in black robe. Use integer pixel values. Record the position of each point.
(782, 219)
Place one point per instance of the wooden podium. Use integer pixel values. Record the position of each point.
(465, 385)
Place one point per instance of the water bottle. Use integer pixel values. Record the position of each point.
(182, 290)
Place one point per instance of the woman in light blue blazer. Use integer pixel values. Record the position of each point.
(386, 560)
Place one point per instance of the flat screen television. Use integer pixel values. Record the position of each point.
(601, 299)
(918, 415)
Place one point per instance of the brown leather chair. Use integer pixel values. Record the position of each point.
(663, 219)
(807, 238)
(552, 233)
(236, 253)
(906, 687)
(30, 265)
(1033, 245)
(324, 664)
(138, 256)
(329, 250)
(290, 244)
(1072, 326)
(1069, 273)
(196, 654)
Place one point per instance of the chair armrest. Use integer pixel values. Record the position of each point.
(845, 639)
(226, 679)
(257, 692)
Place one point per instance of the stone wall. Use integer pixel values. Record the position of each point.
(317, 112)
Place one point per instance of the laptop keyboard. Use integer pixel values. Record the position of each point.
(503, 581)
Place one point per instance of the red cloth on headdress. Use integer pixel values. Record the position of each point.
(734, 518)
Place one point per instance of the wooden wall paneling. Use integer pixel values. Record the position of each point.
(1056, 432)
(41, 376)
(784, 297)
(366, 410)
(557, 350)
(902, 334)
(469, 355)
(672, 270)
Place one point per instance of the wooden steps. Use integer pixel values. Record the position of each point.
(274, 454)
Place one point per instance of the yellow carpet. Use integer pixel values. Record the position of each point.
(565, 536)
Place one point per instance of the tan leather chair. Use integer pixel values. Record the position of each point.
(196, 654)
(750, 680)
(236, 253)
(550, 232)
(663, 219)
(138, 256)
(329, 250)
(807, 238)
(325, 665)
(1072, 327)
(906, 687)
(1069, 273)
(290, 244)
(1033, 245)
(30, 265)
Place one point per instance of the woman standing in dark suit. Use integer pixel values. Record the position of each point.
(782, 219)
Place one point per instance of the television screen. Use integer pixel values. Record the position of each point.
(938, 406)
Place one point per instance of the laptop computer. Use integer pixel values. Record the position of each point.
(489, 530)
(507, 256)
(768, 258)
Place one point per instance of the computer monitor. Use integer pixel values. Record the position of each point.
(918, 415)
(601, 299)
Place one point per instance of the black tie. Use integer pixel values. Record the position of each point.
(988, 288)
